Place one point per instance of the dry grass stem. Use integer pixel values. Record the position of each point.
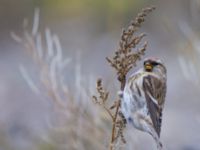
(75, 116)
(124, 59)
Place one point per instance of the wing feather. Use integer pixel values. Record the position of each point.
(155, 91)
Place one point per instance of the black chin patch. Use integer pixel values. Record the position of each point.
(148, 70)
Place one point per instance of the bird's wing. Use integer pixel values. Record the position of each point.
(155, 91)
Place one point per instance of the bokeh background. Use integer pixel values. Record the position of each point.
(89, 31)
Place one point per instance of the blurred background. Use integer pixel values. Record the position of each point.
(89, 31)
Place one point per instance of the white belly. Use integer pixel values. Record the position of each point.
(133, 102)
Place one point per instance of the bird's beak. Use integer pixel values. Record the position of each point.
(148, 67)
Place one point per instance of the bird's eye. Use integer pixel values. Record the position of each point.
(155, 63)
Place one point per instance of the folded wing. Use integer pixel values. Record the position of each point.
(155, 91)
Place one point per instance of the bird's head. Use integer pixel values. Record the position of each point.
(154, 65)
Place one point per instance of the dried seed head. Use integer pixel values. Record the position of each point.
(125, 58)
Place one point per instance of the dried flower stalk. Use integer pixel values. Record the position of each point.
(70, 123)
(124, 59)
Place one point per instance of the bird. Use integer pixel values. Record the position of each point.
(143, 98)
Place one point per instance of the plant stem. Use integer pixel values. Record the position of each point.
(114, 125)
(123, 82)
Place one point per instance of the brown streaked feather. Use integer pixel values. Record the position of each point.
(156, 89)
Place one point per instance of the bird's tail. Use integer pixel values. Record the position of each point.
(159, 145)
(154, 134)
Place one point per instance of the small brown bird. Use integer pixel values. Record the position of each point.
(144, 97)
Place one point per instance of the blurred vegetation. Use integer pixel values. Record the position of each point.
(74, 7)
(175, 29)
(108, 13)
